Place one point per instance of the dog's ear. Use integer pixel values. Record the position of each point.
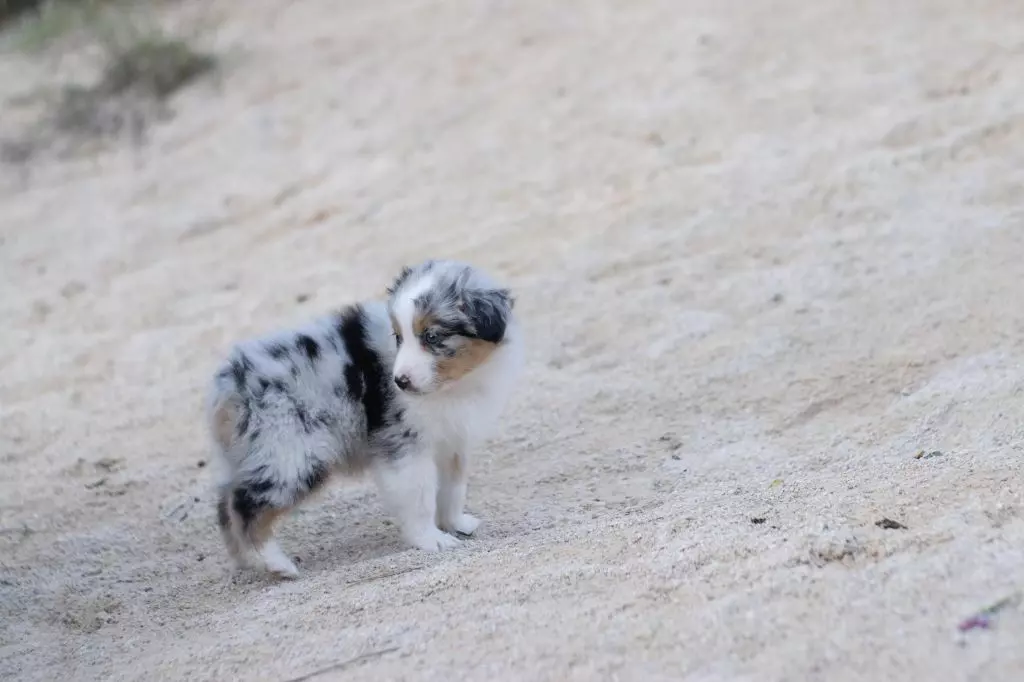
(399, 281)
(488, 311)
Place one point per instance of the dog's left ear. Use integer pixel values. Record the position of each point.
(488, 311)
(399, 281)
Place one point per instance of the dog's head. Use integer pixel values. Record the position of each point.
(448, 320)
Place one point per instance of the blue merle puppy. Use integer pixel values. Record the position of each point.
(404, 389)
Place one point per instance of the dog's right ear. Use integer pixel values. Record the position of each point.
(488, 311)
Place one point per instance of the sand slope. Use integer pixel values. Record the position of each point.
(767, 251)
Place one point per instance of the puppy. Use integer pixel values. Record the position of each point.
(404, 389)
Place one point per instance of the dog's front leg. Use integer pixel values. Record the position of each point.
(408, 484)
(451, 495)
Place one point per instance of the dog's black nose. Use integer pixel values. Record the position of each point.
(402, 382)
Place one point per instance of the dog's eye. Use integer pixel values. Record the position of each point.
(398, 338)
(431, 338)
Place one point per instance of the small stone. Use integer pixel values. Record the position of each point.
(41, 309)
(671, 440)
(72, 289)
(109, 463)
(655, 139)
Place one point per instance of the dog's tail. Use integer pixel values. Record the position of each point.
(225, 408)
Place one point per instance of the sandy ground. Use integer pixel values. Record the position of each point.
(767, 252)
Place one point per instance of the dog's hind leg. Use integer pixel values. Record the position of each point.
(227, 526)
(250, 533)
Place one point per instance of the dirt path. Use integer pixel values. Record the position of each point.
(767, 252)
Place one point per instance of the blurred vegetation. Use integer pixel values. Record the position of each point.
(12, 8)
(141, 67)
(37, 24)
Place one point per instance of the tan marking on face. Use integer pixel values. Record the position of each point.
(471, 355)
(421, 322)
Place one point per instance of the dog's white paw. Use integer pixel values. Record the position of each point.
(433, 540)
(466, 524)
(284, 571)
(278, 563)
